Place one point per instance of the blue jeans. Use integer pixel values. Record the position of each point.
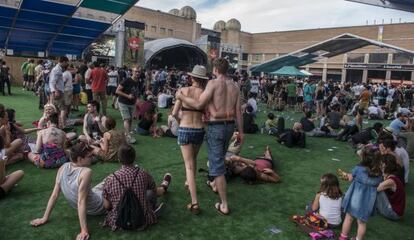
(218, 139)
(383, 206)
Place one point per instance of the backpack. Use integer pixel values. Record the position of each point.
(130, 214)
(383, 92)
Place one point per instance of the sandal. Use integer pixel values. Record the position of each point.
(194, 208)
(218, 208)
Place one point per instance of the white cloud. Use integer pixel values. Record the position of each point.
(280, 15)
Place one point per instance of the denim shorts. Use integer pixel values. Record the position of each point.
(190, 136)
(218, 139)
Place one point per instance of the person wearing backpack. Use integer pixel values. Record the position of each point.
(74, 180)
(130, 194)
(382, 94)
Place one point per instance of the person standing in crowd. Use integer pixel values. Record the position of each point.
(24, 69)
(364, 99)
(57, 85)
(127, 96)
(99, 78)
(221, 98)
(382, 94)
(309, 92)
(88, 81)
(4, 77)
(291, 91)
(31, 75)
(255, 84)
(112, 84)
(77, 81)
(67, 95)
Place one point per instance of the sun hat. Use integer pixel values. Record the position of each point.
(199, 71)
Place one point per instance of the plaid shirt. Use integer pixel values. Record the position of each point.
(113, 191)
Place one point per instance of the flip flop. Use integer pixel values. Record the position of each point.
(211, 187)
(218, 208)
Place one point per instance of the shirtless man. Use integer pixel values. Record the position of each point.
(221, 99)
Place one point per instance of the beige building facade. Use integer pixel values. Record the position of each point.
(365, 64)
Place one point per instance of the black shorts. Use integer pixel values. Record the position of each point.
(299, 99)
(110, 90)
(25, 77)
(2, 193)
(30, 78)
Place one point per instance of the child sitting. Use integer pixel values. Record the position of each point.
(328, 200)
(271, 124)
(293, 137)
(359, 200)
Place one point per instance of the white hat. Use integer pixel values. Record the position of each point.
(199, 71)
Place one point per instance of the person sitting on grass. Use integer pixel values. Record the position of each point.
(328, 200)
(147, 125)
(270, 125)
(17, 132)
(109, 144)
(142, 184)
(307, 122)
(50, 144)
(11, 147)
(367, 135)
(93, 128)
(7, 182)
(293, 137)
(390, 201)
(249, 126)
(74, 180)
(171, 129)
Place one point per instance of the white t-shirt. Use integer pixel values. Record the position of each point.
(403, 154)
(162, 100)
(330, 209)
(255, 86)
(174, 125)
(113, 79)
(390, 96)
(373, 110)
(67, 80)
(87, 76)
(252, 102)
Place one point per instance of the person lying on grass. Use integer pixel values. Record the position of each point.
(260, 169)
(73, 179)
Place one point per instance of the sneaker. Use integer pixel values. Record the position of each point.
(166, 181)
(130, 139)
(159, 209)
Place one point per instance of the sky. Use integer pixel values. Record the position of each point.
(282, 15)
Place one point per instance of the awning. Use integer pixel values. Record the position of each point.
(56, 27)
(306, 73)
(403, 5)
(289, 71)
(329, 48)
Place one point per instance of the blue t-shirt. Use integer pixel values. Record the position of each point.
(396, 126)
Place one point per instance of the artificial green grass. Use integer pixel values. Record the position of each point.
(254, 208)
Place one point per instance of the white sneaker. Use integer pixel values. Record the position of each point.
(130, 139)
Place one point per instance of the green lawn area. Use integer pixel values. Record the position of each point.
(255, 208)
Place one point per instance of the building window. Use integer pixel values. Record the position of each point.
(257, 57)
(378, 57)
(245, 56)
(401, 58)
(170, 32)
(356, 57)
(162, 30)
(153, 28)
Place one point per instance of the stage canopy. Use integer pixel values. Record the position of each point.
(330, 48)
(56, 27)
(403, 5)
(173, 53)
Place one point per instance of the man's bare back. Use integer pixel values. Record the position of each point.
(223, 104)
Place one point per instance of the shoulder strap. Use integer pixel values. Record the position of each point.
(135, 177)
